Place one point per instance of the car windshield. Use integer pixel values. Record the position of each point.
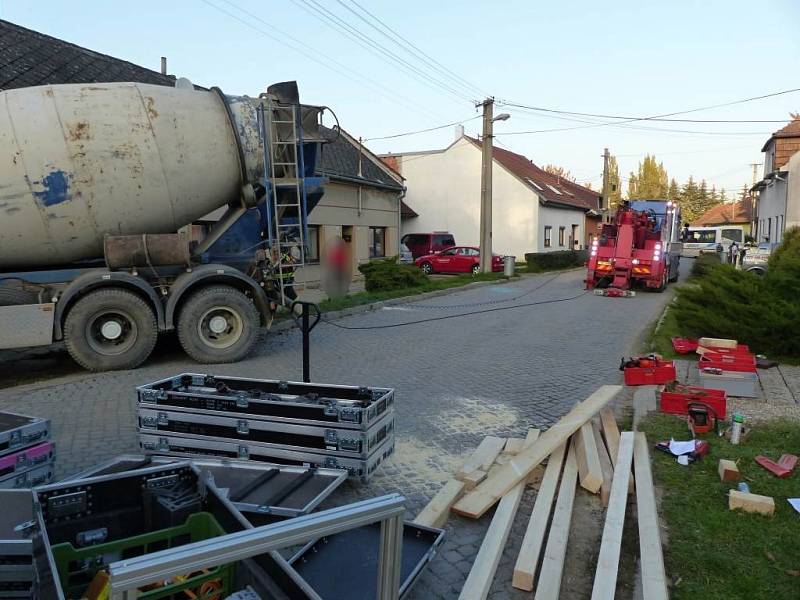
(733, 235)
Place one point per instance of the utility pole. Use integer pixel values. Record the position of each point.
(486, 187)
(606, 191)
(755, 171)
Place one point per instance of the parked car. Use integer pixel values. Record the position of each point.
(421, 244)
(458, 259)
(406, 258)
(756, 258)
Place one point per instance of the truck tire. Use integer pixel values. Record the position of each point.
(110, 329)
(218, 324)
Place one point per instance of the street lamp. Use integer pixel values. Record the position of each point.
(486, 184)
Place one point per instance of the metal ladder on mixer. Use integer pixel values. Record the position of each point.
(286, 170)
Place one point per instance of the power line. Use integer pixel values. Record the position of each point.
(308, 51)
(405, 43)
(330, 19)
(397, 135)
(628, 118)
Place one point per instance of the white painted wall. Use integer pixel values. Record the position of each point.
(555, 218)
(772, 211)
(444, 189)
(793, 192)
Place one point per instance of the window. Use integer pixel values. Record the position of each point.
(450, 252)
(574, 239)
(769, 229)
(471, 252)
(561, 235)
(556, 190)
(443, 241)
(547, 234)
(377, 242)
(312, 244)
(702, 236)
(732, 235)
(534, 184)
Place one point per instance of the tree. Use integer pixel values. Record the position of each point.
(674, 192)
(695, 199)
(614, 188)
(559, 172)
(650, 181)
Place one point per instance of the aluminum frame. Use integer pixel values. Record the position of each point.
(189, 447)
(38, 475)
(346, 414)
(341, 442)
(127, 576)
(15, 438)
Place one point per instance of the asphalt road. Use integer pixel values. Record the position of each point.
(489, 360)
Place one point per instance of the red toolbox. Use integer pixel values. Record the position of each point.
(684, 345)
(675, 400)
(728, 362)
(650, 370)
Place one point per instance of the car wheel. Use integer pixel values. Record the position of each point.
(218, 324)
(476, 269)
(110, 329)
(427, 268)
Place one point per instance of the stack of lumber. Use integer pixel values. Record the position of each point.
(584, 448)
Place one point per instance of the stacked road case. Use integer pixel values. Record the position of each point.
(27, 455)
(340, 427)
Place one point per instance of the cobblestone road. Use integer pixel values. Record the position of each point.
(457, 380)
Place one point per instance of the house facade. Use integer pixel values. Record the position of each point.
(735, 213)
(778, 193)
(532, 210)
(362, 199)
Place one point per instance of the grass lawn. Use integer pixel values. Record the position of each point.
(717, 553)
(433, 285)
(659, 339)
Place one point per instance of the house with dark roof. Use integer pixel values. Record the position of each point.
(532, 210)
(778, 192)
(362, 202)
(739, 213)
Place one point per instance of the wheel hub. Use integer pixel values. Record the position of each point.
(111, 330)
(218, 324)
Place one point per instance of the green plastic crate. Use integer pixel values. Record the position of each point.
(77, 567)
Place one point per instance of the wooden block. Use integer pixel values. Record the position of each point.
(553, 561)
(605, 466)
(513, 445)
(483, 456)
(753, 503)
(532, 543)
(503, 459)
(605, 577)
(654, 578)
(470, 480)
(706, 342)
(480, 577)
(591, 473)
(536, 476)
(728, 471)
(438, 509)
(611, 433)
(482, 498)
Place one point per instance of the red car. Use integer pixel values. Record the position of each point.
(458, 259)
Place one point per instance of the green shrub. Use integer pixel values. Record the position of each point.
(763, 312)
(550, 261)
(386, 274)
(703, 263)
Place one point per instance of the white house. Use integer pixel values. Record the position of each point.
(779, 190)
(532, 210)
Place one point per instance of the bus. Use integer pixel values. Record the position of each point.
(705, 239)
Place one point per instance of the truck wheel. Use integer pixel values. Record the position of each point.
(218, 324)
(109, 330)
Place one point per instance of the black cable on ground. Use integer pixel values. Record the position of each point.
(467, 314)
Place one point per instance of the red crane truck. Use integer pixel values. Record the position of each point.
(640, 248)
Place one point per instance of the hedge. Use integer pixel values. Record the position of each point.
(386, 274)
(550, 261)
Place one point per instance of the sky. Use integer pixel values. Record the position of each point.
(633, 58)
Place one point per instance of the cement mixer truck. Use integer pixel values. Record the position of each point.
(107, 232)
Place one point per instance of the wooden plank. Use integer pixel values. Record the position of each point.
(611, 433)
(549, 584)
(483, 456)
(532, 543)
(728, 471)
(438, 509)
(708, 342)
(472, 479)
(605, 466)
(513, 445)
(654, 578)
(605, 577)
(482, 498)
(754, 503)
(479, 580)
(591, 473)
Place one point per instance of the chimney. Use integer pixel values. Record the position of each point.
(459, 131)
(163, 65)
